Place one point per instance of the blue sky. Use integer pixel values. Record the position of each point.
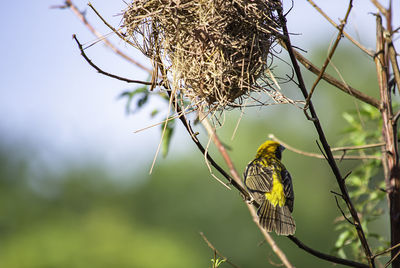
(57, 106)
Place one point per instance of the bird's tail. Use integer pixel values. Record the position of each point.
(276, 218)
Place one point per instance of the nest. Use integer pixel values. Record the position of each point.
(212, 51)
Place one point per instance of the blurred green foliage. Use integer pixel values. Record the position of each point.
(365, 183)
(82, 218)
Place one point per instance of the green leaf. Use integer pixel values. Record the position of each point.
(154, 113)
(169, 130)
(131, 94)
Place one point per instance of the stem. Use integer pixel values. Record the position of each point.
(389, 156)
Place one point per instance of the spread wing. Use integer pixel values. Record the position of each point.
(288, 188)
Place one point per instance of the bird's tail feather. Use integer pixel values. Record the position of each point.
(276, 218)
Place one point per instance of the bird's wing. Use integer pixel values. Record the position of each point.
(288, 188)
(258, 177)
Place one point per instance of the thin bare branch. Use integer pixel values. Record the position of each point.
(104, 72)
(392, 259)
(111, 27)
(386, 250)
(69, 4)
(341, 211)
(355, 42)
(393, 61)
(359, 147)
(324, 256)
(330, 54)
(380, 7)
(320, 156)
(396, 118)
(333, 81)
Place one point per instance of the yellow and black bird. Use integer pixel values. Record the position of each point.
(271, 186)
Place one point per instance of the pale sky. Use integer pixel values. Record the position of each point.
(55, 105)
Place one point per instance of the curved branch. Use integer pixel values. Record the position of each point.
(104, 72)
(69, 4)
(326, 256)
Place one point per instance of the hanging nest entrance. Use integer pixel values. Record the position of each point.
(213, 52)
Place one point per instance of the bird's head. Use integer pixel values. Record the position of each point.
(270, 148)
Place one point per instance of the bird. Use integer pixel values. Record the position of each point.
(271, 186)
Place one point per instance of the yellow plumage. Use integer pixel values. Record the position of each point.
(277, 195)
(271, 186)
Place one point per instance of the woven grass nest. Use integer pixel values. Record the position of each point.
(214, 52)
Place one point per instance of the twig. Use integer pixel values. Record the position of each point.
(380, 7)
(103, 72)
(320, 149)
(367, 51)
(386, 251)
(216, 250)
(320, 156)
(393, 60)
(82, 18)
(324, 256)
(221, 148)
(392, 259)
(109, 26)
(359, 147)
(333, 81)
(341, 210)
(396, 118)
(330, 54)
(325, 145)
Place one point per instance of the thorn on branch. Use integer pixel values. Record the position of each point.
(336, 193)
(347, 175)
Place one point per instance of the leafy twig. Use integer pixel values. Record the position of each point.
(216, 250)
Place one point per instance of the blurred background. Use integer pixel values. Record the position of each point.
(75, 188)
